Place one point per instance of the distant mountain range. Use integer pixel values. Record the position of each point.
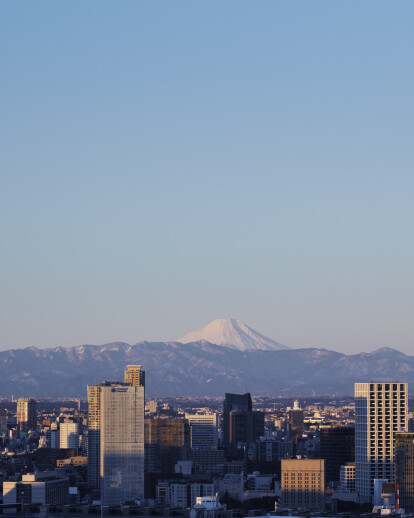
(243, 360)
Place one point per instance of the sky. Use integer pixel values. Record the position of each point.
(167, 163)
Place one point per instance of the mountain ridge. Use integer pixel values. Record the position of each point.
(196, 369)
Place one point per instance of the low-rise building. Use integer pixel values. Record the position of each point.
(37, 488)
(303, 484)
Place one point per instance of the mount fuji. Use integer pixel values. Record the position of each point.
(232, 334)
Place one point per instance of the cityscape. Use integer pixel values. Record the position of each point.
(117, 453)
(206, 270)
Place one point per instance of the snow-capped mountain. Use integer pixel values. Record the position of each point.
(233, 334)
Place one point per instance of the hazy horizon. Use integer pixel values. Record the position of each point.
(165, 164)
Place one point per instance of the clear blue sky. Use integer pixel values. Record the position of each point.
(167, 163)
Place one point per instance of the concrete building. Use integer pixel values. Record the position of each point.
(381, 410)
(69, 435)
(37, 488)
(26, 414)
(272, 450)
(303, 484)
(116, 441)
(135, 376)
(203, 431)
(53, 439)
(182, 494)
(404, 469)
(347, 477)
(207, 461)
(208, 507)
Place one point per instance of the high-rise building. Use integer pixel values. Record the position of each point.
(69, 435)
(237, 402)
(26, 414)
(241, 425)
(337, 445)
(404, 469)
(296, 419)
(3, 422)
(116, 441)
(303, 484)
(135, 376)
(166, 442)
(94, 435)
(381, 410)
(203, 431)
(246, 427)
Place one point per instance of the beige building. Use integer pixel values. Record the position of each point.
(69, 435)
(303, 484)
(135, 376)
(26, 414)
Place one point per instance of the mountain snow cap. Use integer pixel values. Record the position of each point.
(233, 334)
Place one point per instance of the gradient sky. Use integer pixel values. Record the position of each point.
(167, 163)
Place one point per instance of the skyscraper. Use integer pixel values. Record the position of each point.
(404, 469)
(233, 402)
(381, 410)
(337, 448)
(26, 414)
(135, 376)
(116, 441)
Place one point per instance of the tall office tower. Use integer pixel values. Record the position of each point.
(303, 484)
(3, 422)
(381, 410)
(135, 376)
(94, 435)
(404, 469)
(166, 442)
(245, 428)
(26, 414)
(337, 448)
(116, 441)
(236, 402)
(203, 431)
(69, 435)
(296, 419)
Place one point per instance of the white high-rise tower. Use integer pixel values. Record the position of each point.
(381, 410)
